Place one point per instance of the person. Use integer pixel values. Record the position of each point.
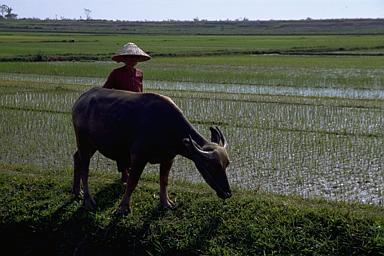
(127, 78)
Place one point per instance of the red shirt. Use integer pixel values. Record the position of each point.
(125, 78)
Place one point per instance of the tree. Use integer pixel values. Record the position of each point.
(3, 10)
(7, 10)
(10, 15)
(87, 13)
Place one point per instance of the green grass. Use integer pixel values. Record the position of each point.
(38, 216)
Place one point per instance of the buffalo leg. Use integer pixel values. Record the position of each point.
(165, 168)
(122, 167)
(76, 174)
(81, 170)
(89, 202)
(133, 178)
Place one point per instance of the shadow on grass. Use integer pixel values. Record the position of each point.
(59, 232)
(72, 230)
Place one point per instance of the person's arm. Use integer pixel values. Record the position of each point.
(139, 80)
(141, 84)
(110, 81)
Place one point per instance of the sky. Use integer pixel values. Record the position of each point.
(158, 10)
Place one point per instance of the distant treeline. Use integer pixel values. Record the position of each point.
(200, 27)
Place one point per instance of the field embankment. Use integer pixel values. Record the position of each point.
(200, 27)
(38, 217)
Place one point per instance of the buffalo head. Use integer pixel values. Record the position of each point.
(212, 161)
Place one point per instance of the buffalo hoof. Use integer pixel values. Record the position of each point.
(121, 212)
(169, 205)
(89, 203)
(77, 196)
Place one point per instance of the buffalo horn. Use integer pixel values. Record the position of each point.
(223, 140)
(198, 150)
(215, 135)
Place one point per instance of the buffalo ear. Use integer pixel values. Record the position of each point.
(222, 138)
(187, 143)
(215, 135)
(190, 144)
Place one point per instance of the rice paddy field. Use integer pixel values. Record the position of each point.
(302, 124)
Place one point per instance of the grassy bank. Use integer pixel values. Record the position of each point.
(39, 217)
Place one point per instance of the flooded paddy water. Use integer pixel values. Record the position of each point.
(313, 142)
(225, 88)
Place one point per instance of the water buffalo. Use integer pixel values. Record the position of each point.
(136, 128)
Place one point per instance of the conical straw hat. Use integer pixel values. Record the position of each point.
(130, 50)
